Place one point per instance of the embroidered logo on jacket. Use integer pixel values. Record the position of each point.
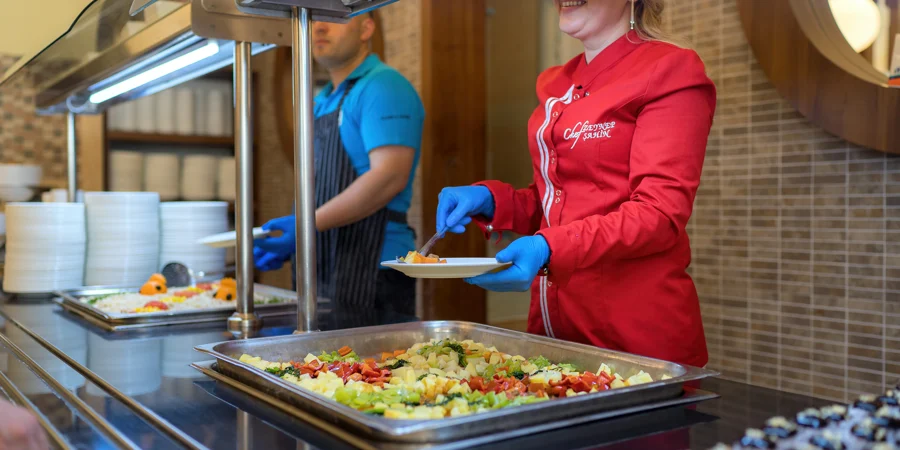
(586, 131)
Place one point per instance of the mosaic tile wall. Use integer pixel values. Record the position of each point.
(26, 138)
(794, 233)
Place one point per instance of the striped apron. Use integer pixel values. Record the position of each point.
(348, 257)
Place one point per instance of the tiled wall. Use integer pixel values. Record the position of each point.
(26, 138)
(794, 233)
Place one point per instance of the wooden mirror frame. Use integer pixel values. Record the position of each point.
(802, 51)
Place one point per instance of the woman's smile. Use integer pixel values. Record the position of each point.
(564, 4)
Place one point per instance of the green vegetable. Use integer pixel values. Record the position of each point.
(489, 371)
(400, 363)
(364, 401)
(449, 398)
(336, 357)
(422, 377)
(375, 411)
(517, 374)
(289, 370)
(445, 347)
(96, 299)
(568, 367)
(539, 361)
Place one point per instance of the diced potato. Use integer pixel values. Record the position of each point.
(665, 377)
(495, 358)
(310, 358)
(518, 358)
(570, 393)
(437, 372)
(640, 378)
(617, 383)
(604, 369)
(395, 414)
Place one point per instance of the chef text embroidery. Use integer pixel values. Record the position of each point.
(587, 131)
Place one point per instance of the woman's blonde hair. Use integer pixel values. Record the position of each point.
(648, 22)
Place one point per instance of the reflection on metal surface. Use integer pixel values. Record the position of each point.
(85, 411)
(244, 431)
(16, 396)
(304, 176)
(147, 415)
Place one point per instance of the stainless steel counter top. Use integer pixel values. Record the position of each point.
(151, 371)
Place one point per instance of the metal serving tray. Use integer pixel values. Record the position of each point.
(127, 321)
(372, 340)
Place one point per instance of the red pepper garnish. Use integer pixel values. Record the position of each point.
(156, 304)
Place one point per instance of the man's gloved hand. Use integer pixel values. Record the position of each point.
(457, 205)
(266, 261)
(20, 430)
(282, 246)
(527, 255)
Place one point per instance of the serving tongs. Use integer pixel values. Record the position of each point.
(428, 245)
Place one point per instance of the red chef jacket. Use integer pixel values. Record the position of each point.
(617, 147)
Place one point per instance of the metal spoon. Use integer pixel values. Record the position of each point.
(178, 274)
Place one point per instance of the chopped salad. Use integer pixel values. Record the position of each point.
(441, 378)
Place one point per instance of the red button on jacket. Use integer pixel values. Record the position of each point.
(617, 147)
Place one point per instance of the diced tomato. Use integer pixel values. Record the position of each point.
(156, 304)
(535, 388)
(581, 386)
(370, 361)
(558, 391)
(185, 294)
(355, 377)
(476, 383)
(205, 286)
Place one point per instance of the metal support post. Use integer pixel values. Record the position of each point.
(304, 181)
(71, 153)
(244, 320)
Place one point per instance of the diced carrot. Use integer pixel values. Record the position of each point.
(386, 355)
(399, 352)
(344, 351)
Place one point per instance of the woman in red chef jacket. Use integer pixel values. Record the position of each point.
(617, 145)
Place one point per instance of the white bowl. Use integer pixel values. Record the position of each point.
(20, 175)
(120, 198)
(46, 247)
(40, 211)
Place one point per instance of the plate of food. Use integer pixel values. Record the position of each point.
(416, 265)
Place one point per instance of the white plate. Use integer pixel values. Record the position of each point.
(454, 268)
(229, 239)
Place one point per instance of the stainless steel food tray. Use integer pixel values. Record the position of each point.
(372, 340)
(119, 322)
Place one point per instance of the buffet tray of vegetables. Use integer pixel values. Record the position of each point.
(155, 304)
(428, 382)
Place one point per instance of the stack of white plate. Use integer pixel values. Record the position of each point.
(45, 247)
(127, 171)
(161, 175)
(198, 180)
(123, 238)
(132, 367)
(182, 224)
(227, 178)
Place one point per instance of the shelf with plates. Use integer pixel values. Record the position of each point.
(177, 139)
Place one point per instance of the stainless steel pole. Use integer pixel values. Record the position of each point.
(71, 153)
(304, 181)
(244, 319)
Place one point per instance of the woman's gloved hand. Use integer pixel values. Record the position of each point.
(20, 430)
(527, 255)
(457, 205)
(282, 247)
(267, 261)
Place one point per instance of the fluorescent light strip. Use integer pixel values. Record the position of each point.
(210, 49)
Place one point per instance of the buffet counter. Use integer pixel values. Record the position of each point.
(153, 399)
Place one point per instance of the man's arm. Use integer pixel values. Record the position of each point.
(373, 190)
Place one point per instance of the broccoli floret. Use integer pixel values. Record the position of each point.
(400, 363)
(517, 374)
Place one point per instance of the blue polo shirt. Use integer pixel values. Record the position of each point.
(382, 109)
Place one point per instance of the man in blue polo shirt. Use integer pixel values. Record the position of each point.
(368, 133)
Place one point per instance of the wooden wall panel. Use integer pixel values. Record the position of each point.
(453, 59)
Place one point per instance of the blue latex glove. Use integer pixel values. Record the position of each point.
(282, 246)
(457, 205)
(266, 261)
(527, 255)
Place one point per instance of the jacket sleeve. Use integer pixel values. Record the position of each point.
(667, 152)
(516, 210)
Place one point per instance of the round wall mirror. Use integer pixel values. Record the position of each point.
(869, 27)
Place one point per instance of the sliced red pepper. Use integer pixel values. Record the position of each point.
(535, 388)
(355, 377)
(156, 304)
(205, 286)
(344, 351)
